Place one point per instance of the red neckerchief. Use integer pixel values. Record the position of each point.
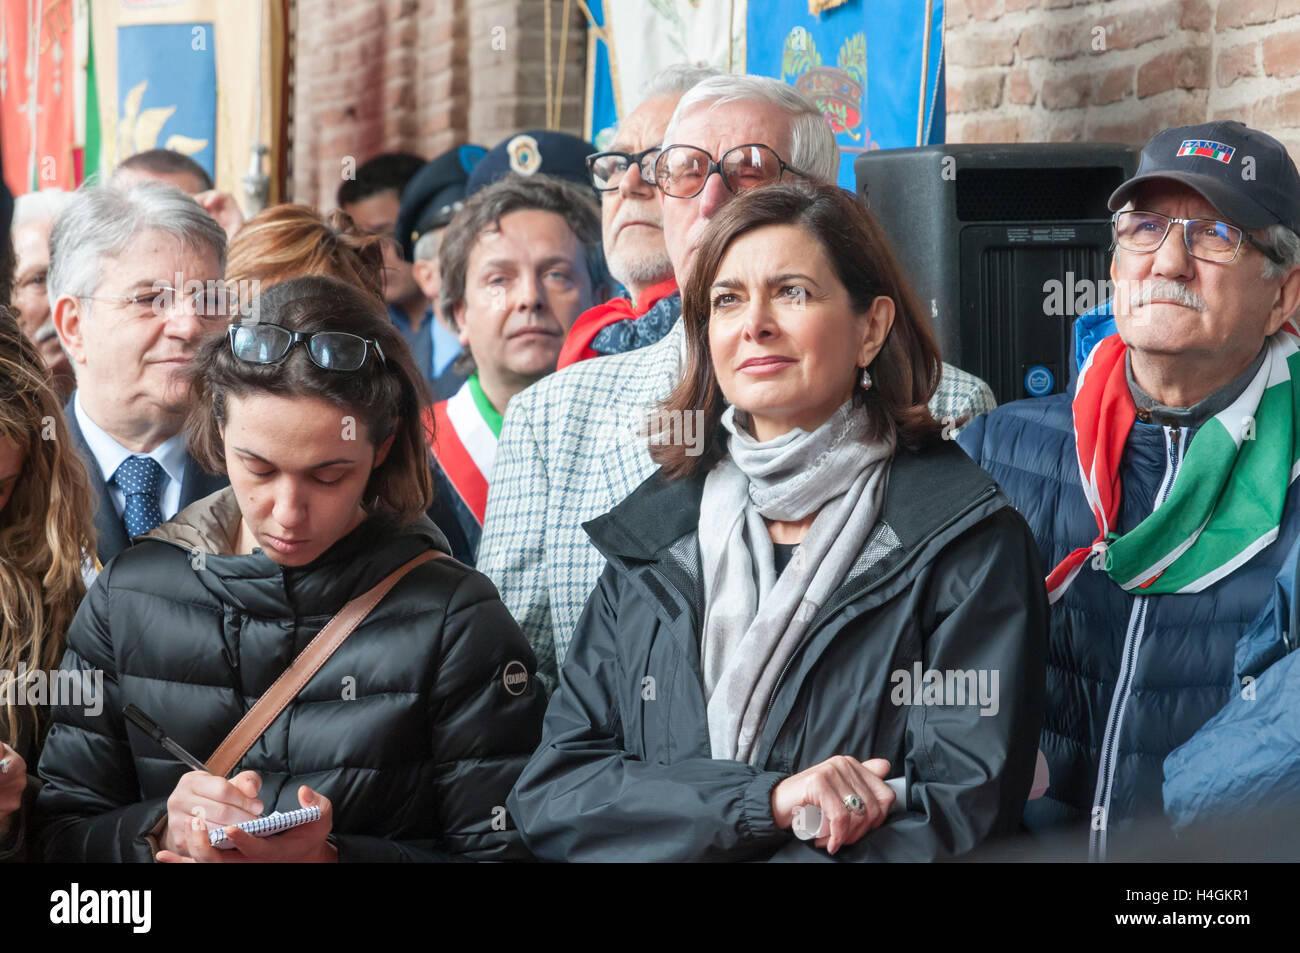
(577, 345)
(1103, 412)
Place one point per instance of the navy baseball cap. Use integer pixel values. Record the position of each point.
(434, 194)
(536, 152)
(1244, 173)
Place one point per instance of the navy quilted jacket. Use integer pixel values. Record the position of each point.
(1129, 678)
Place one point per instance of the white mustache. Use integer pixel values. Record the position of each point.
(1168, 290)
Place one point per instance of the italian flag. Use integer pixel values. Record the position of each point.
(1211, 150)
(1226, 502)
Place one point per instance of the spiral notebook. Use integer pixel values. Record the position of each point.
(272, 824)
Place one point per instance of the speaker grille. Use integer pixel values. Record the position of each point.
(1025, 195)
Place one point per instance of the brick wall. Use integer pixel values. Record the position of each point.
(1065, 70)
(421, 76)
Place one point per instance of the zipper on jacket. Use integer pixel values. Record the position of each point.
(232, 626)
(1128, 666)
(232, 623)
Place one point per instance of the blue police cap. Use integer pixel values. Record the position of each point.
(434, 194)
(537, 151)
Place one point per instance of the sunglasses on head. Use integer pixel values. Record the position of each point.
(330, 350)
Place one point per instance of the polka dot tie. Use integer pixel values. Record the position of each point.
(139, 479)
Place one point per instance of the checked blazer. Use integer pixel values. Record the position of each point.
(571, 449)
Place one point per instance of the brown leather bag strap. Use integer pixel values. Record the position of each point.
(308, 662)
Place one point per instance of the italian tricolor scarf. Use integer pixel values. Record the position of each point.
(462, 432)
(1226, 503)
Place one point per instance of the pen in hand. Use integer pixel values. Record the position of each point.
(154, 731)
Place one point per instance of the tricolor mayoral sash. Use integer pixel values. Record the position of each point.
(464, 442)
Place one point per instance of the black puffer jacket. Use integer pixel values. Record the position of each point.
(409, 728)
(951, 580)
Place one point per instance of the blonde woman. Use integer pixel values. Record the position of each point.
(45, 526)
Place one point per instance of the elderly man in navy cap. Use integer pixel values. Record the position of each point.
(1163, 490)
(429, 201)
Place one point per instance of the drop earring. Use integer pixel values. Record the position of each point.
(866, 379)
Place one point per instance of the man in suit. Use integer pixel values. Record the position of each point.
(571, 446)
(135, 283)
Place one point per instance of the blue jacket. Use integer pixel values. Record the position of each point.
(1089, 329)
(1245, 761)
(1129, 678)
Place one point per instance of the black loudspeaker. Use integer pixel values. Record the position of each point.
(984, 231)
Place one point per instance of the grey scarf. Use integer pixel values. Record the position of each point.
(753, 620)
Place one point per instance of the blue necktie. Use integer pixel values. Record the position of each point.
(139, 479)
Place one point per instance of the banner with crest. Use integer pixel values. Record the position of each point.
(875, 69)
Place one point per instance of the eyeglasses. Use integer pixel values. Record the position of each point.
(330, 350)
(1203, 238)
(210, 301)
(681, 171)
(608, 168)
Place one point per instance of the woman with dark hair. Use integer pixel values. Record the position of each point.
(408, 737)
(822, 617)
(46, 527)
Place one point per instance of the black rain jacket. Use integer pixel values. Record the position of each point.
(951, 579)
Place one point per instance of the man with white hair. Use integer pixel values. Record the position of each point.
(34, 215)
(1163, 490)
(632, 227)
(570, 448)
(135, 283)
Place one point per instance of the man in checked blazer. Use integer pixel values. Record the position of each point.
(571, 445)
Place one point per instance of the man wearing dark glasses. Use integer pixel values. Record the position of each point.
(1163, 490)
(632, 228)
